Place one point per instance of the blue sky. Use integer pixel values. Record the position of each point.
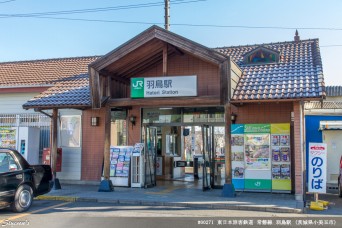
(29, 38)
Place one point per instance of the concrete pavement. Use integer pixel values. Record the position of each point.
(177, 193)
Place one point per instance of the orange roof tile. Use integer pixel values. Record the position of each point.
(42, 72)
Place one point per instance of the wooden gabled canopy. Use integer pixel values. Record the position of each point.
(142, 53)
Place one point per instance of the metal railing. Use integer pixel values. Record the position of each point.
(29, 120)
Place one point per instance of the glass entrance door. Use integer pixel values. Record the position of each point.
(208, 152)
(150, 140)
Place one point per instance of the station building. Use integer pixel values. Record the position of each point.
(238, 110)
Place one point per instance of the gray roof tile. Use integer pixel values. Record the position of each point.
(68, 92)
(298, 74)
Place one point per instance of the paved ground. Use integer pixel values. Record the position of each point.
(49, 213)
(180, 193)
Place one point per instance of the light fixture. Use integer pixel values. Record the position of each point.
(132, 119)
(233, 118)
(94, 121)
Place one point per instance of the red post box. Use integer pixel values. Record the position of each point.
(47, 158)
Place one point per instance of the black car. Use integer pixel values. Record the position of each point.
(340, 179)
(20, 181)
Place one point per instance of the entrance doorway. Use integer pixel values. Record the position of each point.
(190, 154)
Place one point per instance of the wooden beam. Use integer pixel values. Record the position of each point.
(139, 55)
(142, 66)
(175, 102)
(224, 70)
(175, 49)
(124, 49)
(165, 59)
(114, 76)
(109, 86)
(191, 47)
(94, 83)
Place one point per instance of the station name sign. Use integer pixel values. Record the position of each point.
(175, 86)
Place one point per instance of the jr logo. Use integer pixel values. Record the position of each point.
(137, 88)
(138, 84)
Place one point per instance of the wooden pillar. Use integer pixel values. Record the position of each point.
(228, 153)
(53, 146)
(225, 80)
(106, 152)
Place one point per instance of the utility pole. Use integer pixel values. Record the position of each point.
(167, 14)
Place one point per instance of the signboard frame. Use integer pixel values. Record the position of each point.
(168, 86)
(317, 167)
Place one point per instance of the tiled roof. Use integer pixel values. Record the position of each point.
(326, 105)
(68, 92)
(334, 91)
(298, 74)
(42, 72)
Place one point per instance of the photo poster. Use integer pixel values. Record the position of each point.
(280, 142)
(276, 171)
(120, 158)
(238, 166)
(281, 154)
(8, 137)
(237, 156)
(138, 149)
(70, 128)
(257, 151)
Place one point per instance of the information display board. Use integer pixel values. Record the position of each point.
(261, 157)
(317, 168)
(238, 164)
(120, 160)
(281, 157)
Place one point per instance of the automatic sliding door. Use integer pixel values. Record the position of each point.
(150, 156)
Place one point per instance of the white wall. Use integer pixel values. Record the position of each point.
(12, 103)
(333, 139)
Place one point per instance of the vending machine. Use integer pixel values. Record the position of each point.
(28, 143)
(137, 166)
(23, 139)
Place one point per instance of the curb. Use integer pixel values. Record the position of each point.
(173, 204)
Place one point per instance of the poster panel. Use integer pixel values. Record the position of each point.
(238, 170)
(71, 131)
(8, 137)
(317, 167)
(257, 151)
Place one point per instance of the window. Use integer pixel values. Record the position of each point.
(261, 55)
(7, 163)
(119, 128)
